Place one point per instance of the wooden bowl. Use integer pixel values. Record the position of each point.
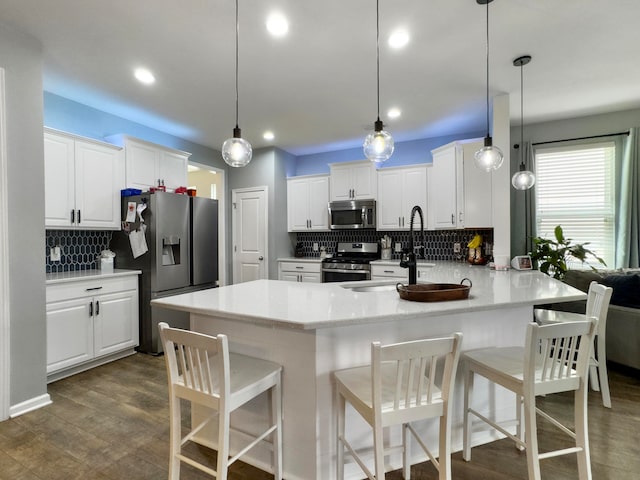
(434, 292)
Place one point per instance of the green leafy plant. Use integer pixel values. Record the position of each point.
(551, 256)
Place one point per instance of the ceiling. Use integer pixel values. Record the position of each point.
(316, 87)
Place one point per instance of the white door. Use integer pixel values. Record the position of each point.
(249, 234)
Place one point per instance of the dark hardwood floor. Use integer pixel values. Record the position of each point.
(111, 423)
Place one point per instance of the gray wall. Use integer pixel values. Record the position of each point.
(268, 167)
(21, 57)
(559, 130)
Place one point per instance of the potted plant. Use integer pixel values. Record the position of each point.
(551, 256)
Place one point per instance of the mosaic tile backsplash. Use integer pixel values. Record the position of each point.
(80, 249)
(439, 243)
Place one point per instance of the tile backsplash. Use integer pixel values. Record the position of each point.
(79, 249)
(439, 243)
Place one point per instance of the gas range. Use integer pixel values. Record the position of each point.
(350, 262)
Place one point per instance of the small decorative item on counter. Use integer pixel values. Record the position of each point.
(385, 247)
(130, 192)
(475, 255)
(161, 187)
(299, 251)
(323, 251)
(181, 190)
(191, 192)
(106, 261)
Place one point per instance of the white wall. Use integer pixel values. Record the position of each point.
(21, 57)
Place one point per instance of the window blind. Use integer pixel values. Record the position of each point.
(575, 189)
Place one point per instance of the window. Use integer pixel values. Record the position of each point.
(575, 189)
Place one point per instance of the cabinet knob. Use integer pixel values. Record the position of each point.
(79, 217)
(91, 309)
(73, 216)
(453, 219)
(260, 258)
(97, 307)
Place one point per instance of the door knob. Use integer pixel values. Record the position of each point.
(260, 257)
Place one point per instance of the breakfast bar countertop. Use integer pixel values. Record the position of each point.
(311, 306)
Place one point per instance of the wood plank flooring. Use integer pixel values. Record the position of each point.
(111, 423)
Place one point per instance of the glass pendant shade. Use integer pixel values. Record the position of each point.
(378, 145)
(523, 179)
(488, 157)
(236, 151)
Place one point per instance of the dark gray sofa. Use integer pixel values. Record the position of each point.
(623, 318)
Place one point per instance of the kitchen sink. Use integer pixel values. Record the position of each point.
(373, 288)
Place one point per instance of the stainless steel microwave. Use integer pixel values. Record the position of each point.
(352, 214)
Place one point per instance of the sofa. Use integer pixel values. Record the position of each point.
(623, 318)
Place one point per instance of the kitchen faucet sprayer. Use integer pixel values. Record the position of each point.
(409, 258)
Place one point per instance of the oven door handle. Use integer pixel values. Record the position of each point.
(340, 270)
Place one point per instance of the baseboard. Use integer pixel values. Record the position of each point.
(29, 405)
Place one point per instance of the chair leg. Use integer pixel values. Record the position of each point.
(531, 436)
(444, 454)
(467, 423)
(276, 418)
(340, 405)
(175, 435)
(593, 377)
(406, 452)
(223, 443)
(519, 419)
(602, 372)
(378, 448)
(582, 433)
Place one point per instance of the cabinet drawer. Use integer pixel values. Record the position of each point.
(389, 271)
(89, 288)
(300, 267)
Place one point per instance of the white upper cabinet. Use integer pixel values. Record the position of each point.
(307, 199)
(353, 181)
(83, 179)
(399, 190)
(459, 192)
(148, 163)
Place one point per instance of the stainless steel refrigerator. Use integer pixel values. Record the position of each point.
(182, 240)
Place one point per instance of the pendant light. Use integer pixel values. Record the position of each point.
(378, 145)
(489, 157)
(523, 179)
(236, 151)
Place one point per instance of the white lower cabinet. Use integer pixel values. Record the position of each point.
(308, 272)
(90, 322)
(386, 272)
(382, 272)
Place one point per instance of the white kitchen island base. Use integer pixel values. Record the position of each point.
(310, 356)
(314, 329)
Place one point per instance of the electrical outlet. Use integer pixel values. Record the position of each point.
(456, 247)
(55, 254)
(398, 248)
(315, 247)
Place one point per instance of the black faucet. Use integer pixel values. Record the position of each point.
(409, 258)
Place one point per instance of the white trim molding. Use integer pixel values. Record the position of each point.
(30, 405)
(5, 333)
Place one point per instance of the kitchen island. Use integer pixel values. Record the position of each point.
(314, 329)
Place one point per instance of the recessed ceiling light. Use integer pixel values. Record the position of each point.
(268, 135)
(393, 113)
(144, 76)
(398, 39)
(277, 25)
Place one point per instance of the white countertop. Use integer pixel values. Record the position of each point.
(78, 275)
(311, 306)
(394, 262)
(300, 259)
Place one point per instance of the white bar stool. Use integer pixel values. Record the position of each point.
(201, 370)
(555, 359)
(598, 300)
(396, 389)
